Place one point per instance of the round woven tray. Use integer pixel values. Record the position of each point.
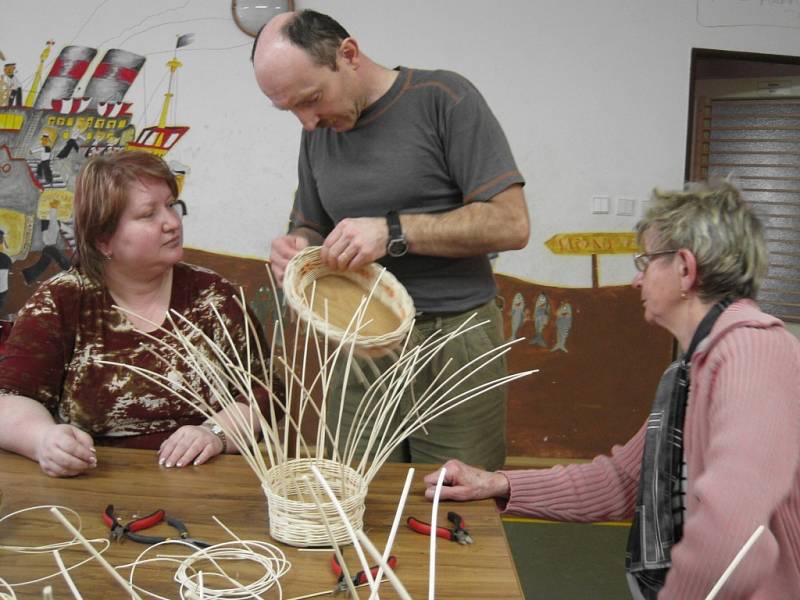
(295, 518)
(388, 316)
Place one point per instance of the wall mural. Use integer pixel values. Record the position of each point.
(599, 364)
(48, 131)
(598, 361)
(519, 315)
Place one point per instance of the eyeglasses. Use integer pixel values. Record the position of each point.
(642, 261)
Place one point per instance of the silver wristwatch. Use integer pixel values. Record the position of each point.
(214, 428)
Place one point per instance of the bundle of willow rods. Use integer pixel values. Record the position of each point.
(225, 370)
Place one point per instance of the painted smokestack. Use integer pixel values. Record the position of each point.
(65, 74)
(113, 76)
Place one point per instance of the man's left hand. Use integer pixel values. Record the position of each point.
(355, 242)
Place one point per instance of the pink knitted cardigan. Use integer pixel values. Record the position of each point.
(742, 449)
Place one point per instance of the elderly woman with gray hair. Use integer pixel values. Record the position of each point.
(720, 452)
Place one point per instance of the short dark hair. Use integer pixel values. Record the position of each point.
(255, 43)
(316, 33)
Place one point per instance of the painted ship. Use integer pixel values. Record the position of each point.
(56, 127)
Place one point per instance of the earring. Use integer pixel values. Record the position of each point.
(684, 295)
(107, 256)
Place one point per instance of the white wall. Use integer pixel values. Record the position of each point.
(593, 97)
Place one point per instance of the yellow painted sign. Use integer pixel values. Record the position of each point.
(593, 243)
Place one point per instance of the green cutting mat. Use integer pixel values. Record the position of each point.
(569, 561)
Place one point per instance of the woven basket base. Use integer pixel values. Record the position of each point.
(294, 517)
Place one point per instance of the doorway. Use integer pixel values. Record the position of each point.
(744, 123)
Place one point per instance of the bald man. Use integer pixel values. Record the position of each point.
(409, 168)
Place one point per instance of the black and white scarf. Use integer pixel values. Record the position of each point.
(658, 518)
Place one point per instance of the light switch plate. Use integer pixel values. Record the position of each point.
(626, 207)
(600, 205)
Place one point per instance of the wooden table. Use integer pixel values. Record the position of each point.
(226, 488)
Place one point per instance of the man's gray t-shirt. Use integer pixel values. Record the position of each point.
(430, 144)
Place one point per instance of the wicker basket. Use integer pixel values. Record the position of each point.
(309, 285)
(294, 517)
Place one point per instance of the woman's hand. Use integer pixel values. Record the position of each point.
(65, 451)
(462, 482)
(190, 444)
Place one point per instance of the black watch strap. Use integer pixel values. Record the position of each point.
(395, 229)
(397, 245)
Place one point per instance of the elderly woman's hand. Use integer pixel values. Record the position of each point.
(65, 451)
(462, 482)
(190, 444)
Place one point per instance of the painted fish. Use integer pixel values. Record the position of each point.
(517, 315)
(541, 317)
(563, 325)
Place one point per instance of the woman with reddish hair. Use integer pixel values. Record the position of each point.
(57, 400)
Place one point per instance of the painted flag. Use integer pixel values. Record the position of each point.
(184, 40)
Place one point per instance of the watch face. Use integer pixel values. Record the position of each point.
(397, 247)
(213, 427)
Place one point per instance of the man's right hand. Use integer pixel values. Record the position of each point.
(282, 250)
(463, 482)
(65, 451)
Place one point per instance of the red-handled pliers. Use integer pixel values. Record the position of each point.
(120, 531)
(457, 534)
(359, 578)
